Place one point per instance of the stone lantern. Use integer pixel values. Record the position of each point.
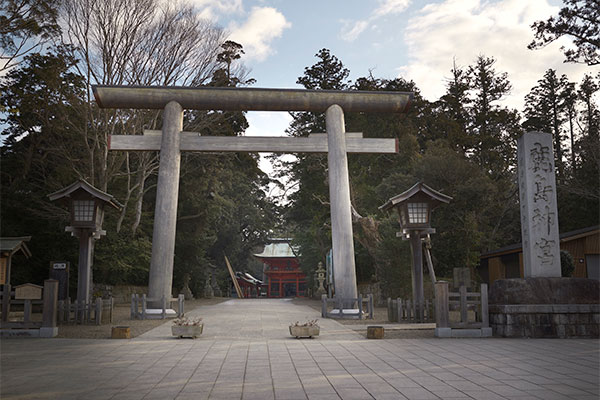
(86, 204)
(320, 278)
(414, 208)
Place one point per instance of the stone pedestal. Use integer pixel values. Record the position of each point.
(545, 307)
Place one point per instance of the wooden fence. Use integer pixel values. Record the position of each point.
(138, 302)
(341, 309)
(30, 325)
(463, 301)
(400, 310)
(28, 321)
(85, 313)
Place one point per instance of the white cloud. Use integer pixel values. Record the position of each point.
(210, 9)
(351, 30)
(463, 29)
(387, 7)
(256, 34)
(267, 123)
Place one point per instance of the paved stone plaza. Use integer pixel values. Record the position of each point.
(246, 352)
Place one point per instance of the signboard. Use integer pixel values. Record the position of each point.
(59, 270)
(28, 291)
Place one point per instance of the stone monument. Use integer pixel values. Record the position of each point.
(537, 199)
(543, 304)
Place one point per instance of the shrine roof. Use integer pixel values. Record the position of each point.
(14, 244)
(277, 250)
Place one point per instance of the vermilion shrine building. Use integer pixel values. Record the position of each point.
(283, 275)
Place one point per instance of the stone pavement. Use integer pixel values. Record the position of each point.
(246, 352)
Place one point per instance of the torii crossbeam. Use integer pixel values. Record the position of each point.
(172, 141)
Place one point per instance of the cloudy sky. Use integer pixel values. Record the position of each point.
(417, 40)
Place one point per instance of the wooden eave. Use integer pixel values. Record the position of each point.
(564, 237)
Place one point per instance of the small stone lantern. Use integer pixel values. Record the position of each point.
(86, 204)
(320, 277)
(414, 208)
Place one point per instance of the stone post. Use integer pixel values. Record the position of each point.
(442, 320)
(5, 301)
(417, 274)
(539, 213)
(50, 308)
(165, 214)
(85, 265)
(339, 198)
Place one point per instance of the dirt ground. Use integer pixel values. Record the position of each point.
(380, 317)
(121, 317)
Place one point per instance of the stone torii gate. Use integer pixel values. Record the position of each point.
(336, 143)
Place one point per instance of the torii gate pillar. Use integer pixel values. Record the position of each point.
(339, 199)
(165, 213)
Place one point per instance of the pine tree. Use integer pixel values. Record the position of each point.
(26, 26)
(568, 98)
(544, 108)
(579, 19)
(493, 128)
(452, 117)
(587, 89)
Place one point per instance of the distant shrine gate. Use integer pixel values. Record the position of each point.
(173, 141)
(281, 269)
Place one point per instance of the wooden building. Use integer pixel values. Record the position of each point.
(250, 285)
(283, 275)
(10, 246)
(582, 244)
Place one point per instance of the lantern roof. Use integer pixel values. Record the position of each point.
(419, 188)
(81, 184)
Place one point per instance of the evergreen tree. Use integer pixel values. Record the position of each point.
(578, 19)
(544, 108)
(308, 208)
(587, 89)
(25, 27)
(42, 101)
(452, 118)
(568, 98)
(493, 128)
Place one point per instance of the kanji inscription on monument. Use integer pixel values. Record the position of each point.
(537, 199)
